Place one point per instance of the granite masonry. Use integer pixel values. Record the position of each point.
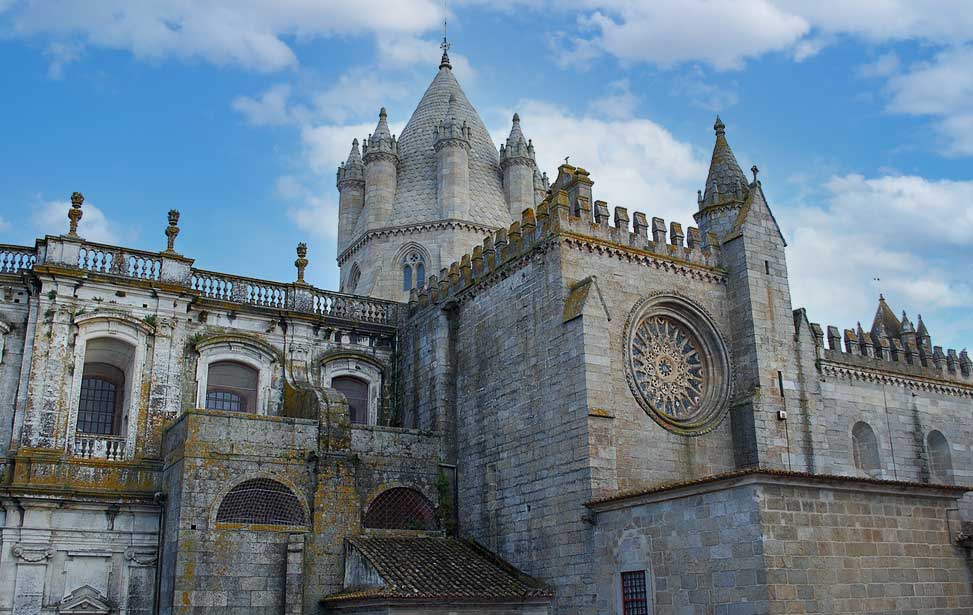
(521, 401)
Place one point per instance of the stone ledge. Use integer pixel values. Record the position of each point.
(765, 476)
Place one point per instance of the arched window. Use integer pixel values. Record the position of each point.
(940, 461)
(353, 278)
(261, 501)
(356, 390)
(231, 386)
(401, 508)
(413, 270)
(100, 404)
(865, 449)
(102, 401)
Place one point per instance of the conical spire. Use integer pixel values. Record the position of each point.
(725, 181)
(517, 146)
(885, 322)
(906, 326)
(921, 330)
(351, 168)
(381, 140)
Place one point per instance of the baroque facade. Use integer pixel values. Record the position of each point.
(521, 401)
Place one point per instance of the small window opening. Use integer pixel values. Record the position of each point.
(767, 267)
(413, 271)
(780, 382)
(940, 461)
(231, 387)
(865, 448)
(401, 508)
(261, 501)
(635, 599)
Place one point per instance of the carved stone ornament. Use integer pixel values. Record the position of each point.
(143, 557)
(677, 364)
(33, 553)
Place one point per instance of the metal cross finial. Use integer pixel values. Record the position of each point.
(754, 170)
(444, 62)
(566, 159)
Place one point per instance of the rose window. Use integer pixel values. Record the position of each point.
(668, 367)
(677, 364)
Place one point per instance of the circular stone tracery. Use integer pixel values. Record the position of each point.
(677, 364)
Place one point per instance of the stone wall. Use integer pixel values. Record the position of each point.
(754, 543)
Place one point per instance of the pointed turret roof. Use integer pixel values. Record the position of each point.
(725, 174)
(516, 134)
(382, 129)
(906, 325)
(354, 156)
(415, 195)
(885, 321)
(921, 330)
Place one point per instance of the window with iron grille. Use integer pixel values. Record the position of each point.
(231, 386)
(635, 599)
(401, 508)
(225, 400)
(261, 501)
(96, 409)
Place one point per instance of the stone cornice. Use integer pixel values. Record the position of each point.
(371, 156)
(711, 210)
(663, 262)
(410, 229)
(351, 182)
(878, 376)
(452, 142)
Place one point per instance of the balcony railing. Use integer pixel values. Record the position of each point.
(120, 261)
(94, 446)
(171, 268)
(14, 259)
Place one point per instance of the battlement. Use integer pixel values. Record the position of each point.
(892, 344)
(560, 216)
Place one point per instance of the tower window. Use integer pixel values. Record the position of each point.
(413, 271)
(635, 599)
(356, 391)
(231, 387)
(261, 501)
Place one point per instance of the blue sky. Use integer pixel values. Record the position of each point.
(236, 112)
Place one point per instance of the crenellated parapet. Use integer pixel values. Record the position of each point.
(892, 345)
(577, 224)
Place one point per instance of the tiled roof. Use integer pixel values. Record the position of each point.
(436, 568)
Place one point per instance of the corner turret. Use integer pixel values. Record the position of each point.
(519, 168)
(381, 156)
(453, 164)
(351, 195)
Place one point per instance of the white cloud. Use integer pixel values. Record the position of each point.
(634, 162)
(4, 225)
(726, 33)
(51, 218)
(251, 34)
(941, 88)
(899, 235)
(723, 34)
(703, 92)
(884, 66)
(272, 108)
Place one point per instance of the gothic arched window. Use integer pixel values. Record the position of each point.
(401, 508)
(865, 448)
(353, 278)
(940, 461)
(231, 386)
(413, 270)
(261, 501)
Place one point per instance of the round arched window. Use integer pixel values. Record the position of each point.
(401, 508)
(677, 364)
(261, 501)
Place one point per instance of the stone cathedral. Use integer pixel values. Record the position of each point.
(521, 401)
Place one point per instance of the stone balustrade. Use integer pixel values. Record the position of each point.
(171, 268)
(94, 446)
